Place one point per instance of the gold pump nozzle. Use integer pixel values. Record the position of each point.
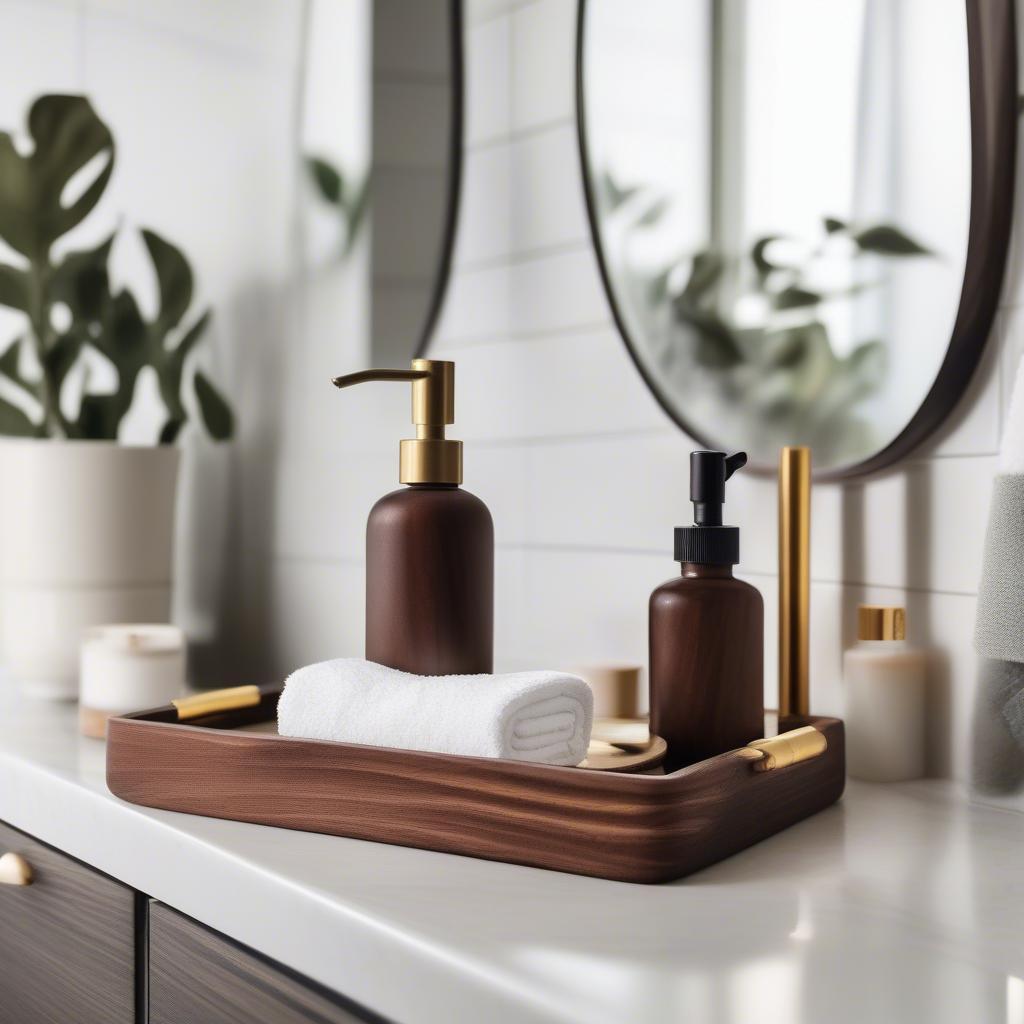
(430, 457)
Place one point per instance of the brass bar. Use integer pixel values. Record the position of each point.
(787, 748)
(15, 870)
(213, 701)
(794, 580)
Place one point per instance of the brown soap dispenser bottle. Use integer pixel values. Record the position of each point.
(707, 632)
(429, 545)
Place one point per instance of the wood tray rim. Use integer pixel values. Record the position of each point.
(226, 734)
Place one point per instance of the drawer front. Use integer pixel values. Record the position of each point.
(67, 941)
(198, 977)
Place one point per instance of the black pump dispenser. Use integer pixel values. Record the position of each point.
(708, 542)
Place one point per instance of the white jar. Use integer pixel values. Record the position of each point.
(885, 679)
(128, 668)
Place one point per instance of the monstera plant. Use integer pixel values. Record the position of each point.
(86, 522)
(68, 301)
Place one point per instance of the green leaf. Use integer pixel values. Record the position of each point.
(833, 225)
(889, 241)
(66, 134)
(705, 272)
(616, 195)
(795, 297)
(217, 415)
(100, 416)
(13, 288)
(170, 431)
(757, 255)
(61, 356)
(9, 367)
(170, 366)
(14, 422)
(174, 279)
(82, 282)
(717, 346)
(327, 179)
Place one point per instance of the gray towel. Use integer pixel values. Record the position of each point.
(998, 730)
(999, 630)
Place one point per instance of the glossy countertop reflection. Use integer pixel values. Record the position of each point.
(901, 903)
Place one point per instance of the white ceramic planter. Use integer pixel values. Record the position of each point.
(86, 536)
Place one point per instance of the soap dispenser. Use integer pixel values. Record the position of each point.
(706, 632)
(429, 545)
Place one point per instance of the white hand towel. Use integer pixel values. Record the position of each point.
(526, 716)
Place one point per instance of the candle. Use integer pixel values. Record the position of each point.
(128, 668)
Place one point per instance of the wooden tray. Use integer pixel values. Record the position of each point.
(632, 828)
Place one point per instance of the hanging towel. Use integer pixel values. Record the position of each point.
(526, 716)
(998, 727)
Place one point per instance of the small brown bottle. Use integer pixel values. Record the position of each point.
(430, 545)
(706, 632)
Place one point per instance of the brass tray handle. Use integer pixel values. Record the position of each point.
(15, 870)
(212, 702)
(787, 748)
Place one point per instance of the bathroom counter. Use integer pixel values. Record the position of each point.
(901, 903)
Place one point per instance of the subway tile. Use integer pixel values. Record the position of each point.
(574, 384)
(548, 206)
(581, 607)
(483, 10)
(265, 29)
(485, 207)
(39, 53)
(315, 611)
(1011, 336)
(488, 69)
(922, 526)
(542, 294)
(544, 63)
(973, 426)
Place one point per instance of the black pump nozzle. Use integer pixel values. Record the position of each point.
(708, 473)
(708, 542)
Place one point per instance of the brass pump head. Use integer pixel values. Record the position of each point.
(430, 457)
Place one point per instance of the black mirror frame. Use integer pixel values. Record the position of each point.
(456, 149)
(992, 74)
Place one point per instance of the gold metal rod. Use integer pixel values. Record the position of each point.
(787, 748)
(213, 701)
(794, 580)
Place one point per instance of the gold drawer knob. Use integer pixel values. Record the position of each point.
(15, 870)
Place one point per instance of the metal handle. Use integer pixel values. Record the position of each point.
(787, 748)
(212, 702)
(15, 870)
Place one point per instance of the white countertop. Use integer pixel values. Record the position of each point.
(901, 903)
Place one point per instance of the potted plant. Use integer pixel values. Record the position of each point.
(86, 524)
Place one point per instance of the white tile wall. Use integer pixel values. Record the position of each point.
(584, 473)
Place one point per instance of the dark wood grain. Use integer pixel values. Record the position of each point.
(430, 582)
(199, 977)
(67, 942)
(638, 828)
(706, 684)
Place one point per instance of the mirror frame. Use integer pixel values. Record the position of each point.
(992, 78)
(456, 152)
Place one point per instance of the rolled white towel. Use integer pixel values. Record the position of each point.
(526, 716)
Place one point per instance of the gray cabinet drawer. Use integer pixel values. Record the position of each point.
(67, 942)
(198, 977)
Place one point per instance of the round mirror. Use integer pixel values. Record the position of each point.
(801, 210)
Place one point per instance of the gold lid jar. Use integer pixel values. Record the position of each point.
(881, 622)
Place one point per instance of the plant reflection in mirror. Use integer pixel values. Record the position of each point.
(349, 199)
(71, 310)
(753, 329)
